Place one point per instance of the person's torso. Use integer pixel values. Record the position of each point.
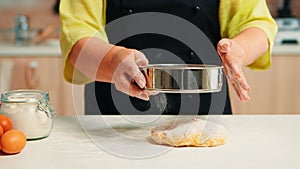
(160, 48)
(201, 13)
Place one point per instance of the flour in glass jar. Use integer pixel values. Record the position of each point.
(29, 119)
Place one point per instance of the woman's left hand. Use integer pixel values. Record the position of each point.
(232, 55)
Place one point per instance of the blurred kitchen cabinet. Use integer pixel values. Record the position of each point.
(273, 91)
(44, 73)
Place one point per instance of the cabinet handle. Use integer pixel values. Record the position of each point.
(31, 76)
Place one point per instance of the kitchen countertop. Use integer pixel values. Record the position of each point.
(286, 50)
(52, 48)
(254, 141)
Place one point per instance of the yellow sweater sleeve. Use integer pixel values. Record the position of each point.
(238, 15)
(79, 19)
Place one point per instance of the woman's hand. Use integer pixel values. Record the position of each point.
(122, 65)
(105, 62)
(232, 55)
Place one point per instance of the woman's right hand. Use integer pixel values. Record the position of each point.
(104, 62)
(122, 65)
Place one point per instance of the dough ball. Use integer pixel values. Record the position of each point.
(190, 132)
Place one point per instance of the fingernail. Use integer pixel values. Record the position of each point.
(139, 61)
(224, 46)
(144, 97)
(247, 99)
(141, 83)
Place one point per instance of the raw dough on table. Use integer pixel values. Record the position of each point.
(190, 132)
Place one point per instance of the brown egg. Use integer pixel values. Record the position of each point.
(13, 141)
(5, 122)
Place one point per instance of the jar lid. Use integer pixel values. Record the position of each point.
(20, 96)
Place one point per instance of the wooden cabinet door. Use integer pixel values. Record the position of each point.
(43, 73)
(273, 91)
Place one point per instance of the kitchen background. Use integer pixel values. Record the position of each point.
(40, 66)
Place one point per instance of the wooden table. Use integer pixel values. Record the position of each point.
(261, 141)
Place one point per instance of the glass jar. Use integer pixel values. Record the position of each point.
(29, 111)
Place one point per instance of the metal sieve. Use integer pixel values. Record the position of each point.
(183, 78)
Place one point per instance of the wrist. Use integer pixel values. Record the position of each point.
(108, 64)
(239, 51)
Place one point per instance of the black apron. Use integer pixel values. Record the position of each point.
(203, 14)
